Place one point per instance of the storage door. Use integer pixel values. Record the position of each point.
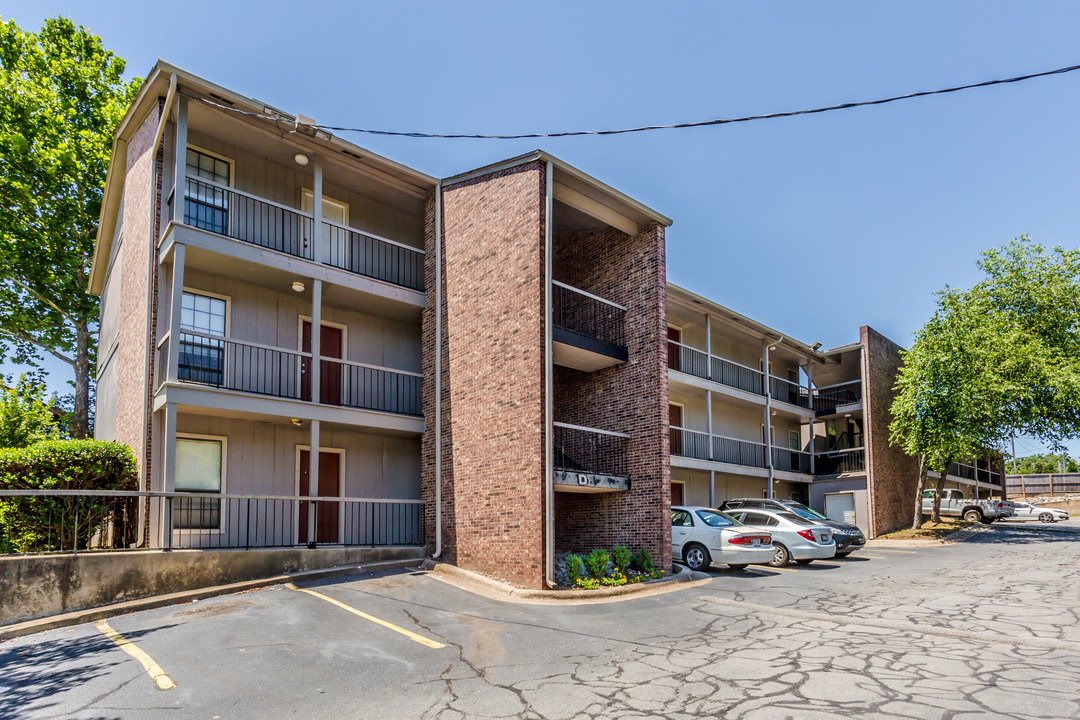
(840, 507)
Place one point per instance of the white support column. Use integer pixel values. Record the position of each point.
(180, 159)
(708, 351)
(168, 475)
(320, 251)
(810, 394)
(176, 301)
(316, 341)
(712, 486)
(767, 413)
(312, 490)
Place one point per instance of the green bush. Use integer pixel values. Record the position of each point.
(29, 524)
(642, 561)
(596, 563)
(620, 558)
(575, 567)
(26, 415)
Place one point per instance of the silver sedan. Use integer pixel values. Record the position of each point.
(793, 537)
(1027, 511)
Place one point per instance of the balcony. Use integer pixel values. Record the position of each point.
(699, 446)
(231, 213)
(588, 460)
(587, 331)
(828, 399)
(247, 367)
(788, 392)
(692, 361)
(840, 462)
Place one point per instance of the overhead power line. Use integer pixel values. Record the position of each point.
(644, 128)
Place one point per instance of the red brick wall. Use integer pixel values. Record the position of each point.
(493, 375)
(893, 474)
(132, 379)
(630, 398)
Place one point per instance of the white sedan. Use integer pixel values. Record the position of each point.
(1027, 511)
(702, 536)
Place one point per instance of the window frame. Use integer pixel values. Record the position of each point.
(217, 156)
(186, 290)
(224, 441)
(687, 514)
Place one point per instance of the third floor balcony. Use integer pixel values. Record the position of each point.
(588, 331)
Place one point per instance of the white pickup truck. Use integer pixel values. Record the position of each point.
(954, 504)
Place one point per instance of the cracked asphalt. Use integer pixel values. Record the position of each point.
(982, 628)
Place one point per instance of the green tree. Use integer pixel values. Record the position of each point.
(61, 98)
(1003, 356)
(26, 416)
(1043, 464)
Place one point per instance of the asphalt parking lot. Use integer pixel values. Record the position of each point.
(988, 627)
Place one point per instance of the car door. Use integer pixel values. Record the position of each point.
(682, 525)
(1025, 511)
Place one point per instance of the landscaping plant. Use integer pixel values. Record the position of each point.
(620, 558)
(575, 568)
(596, 563)
(642, 561)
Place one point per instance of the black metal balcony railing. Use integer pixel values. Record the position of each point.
(698, 445)
(700, 364)
(374, 257)
(735, 375)
(788, 460)
(588, 315)
(368, 387)
(831, 397)
(687, 359)
(225, 211)
(962, 470)
(588, 450)
(236, 365)
(788, 392)
(838, 462)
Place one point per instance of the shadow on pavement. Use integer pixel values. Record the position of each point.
(1018, 534)
(45, 668)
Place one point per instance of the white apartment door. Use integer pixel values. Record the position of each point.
(333, 211)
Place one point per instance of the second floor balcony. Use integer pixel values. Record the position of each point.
(588, 331)
(589, 459)
(840, 462)
(733, 451)
(231, 213)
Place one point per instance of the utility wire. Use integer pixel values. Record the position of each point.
(644, 128)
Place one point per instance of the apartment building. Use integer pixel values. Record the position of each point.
(473, 385)
(814, 427)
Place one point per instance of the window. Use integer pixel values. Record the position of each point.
(793, 442)
(199, 469)
(207, 206)
(715, 519)
(759, 520)
(202, 359)
(681, 518)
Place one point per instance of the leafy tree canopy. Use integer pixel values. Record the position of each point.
(61, 98)
(26, 416)
(1043, 464)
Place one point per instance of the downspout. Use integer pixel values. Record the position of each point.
(438, 370)
(549, 469)
(148, 409)
(768, 413)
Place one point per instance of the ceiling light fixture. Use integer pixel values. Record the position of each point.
(301, 159)
(296, 422)
(298, 286)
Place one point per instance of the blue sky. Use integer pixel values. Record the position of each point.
(814, 225)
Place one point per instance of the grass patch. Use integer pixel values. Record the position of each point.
(929, 530)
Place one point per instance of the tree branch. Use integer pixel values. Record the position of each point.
(43, 299)
(20, 335)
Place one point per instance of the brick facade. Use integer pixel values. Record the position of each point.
(893, 474)
(630, 398)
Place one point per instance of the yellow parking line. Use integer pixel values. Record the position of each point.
(904, 552)
(874, 557)
(407, 633)
(770, 567)
(163, 681)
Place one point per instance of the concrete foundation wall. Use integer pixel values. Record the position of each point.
(39, 586)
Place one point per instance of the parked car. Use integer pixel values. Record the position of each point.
(793, 537)
(702, 536)
(848, 537)
(954, 504)
(1027, 511)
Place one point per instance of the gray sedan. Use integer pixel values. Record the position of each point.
(793, 537)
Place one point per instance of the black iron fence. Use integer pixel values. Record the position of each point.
(700, 364)
(368, 387)
(225, 211)
(239, 365)
(789, 460)
(374, 257)
(588, 315)
(834, 396)
(788, 392)
(588, 450)
(840, 461)
(67, 521)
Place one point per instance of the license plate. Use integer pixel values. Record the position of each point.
(823, 538)
(755, 542)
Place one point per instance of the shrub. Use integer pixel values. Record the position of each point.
(575, 567)
(587, 583)
(596, 563)
(37, 523)
(620, 558)
(26, 416)
(642, 561)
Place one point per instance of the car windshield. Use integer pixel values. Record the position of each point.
(793, 518)
(805, 512)
(713, 518)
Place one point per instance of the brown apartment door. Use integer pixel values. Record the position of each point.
(330, 373)
(676, 493)
(675, 420)
(326, 513)
(673, 351)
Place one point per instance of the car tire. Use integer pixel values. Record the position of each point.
(1046, 518)
(844, 554)
(781, 556)
(740, 566)
(696, 557)
(804, 562)
(973, 515)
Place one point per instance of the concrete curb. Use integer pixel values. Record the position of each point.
(488, 587)
(957, 536)
(78, 617)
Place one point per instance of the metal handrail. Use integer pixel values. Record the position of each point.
(718, 357)
(836, 385)
(248, 195)
(339, 226)
(248, 343)
(568, 426)
(837, 452)
(183, 494)
(726, 437)
(588, 295)
(353, 363)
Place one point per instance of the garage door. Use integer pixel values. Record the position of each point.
(840, 507)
